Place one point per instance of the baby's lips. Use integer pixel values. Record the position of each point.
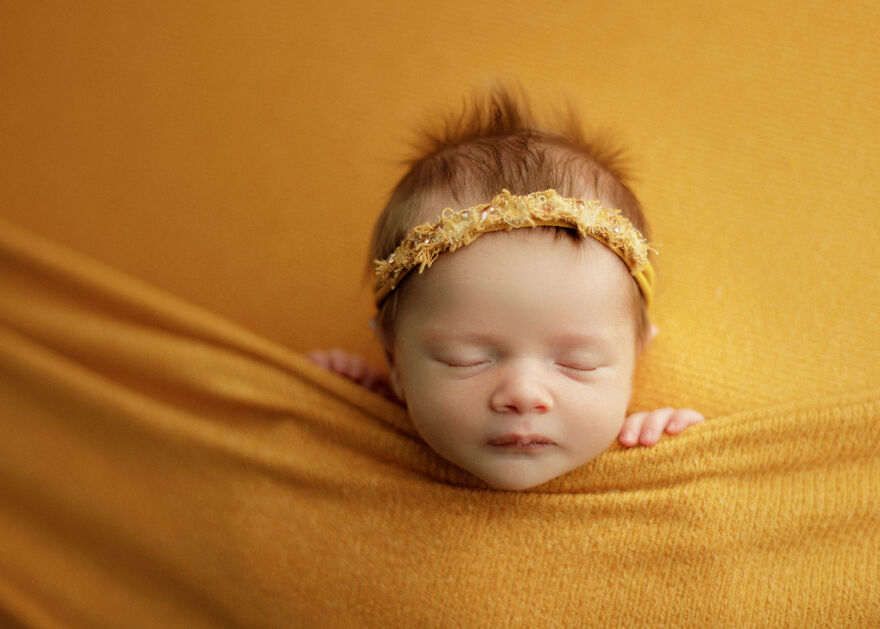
(514, 439)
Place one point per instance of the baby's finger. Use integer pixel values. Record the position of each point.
(320, 358)
(683, 418)
(632, 427)
(351, 366)
(654, 425)
(339, 361)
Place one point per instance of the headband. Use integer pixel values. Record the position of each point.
(507, 211)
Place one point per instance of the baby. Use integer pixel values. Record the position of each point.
(512, 324)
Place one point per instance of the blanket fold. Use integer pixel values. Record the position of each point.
(163, 467)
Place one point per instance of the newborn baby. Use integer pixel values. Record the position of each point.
(512, 323)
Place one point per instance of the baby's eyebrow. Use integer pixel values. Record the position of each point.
(445, 334)
(577, 339)
(563, 341)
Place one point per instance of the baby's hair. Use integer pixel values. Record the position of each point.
(496, 143)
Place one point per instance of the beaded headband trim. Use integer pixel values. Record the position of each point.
(455, 229)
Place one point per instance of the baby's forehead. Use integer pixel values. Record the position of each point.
(523, 286)
(552, 252)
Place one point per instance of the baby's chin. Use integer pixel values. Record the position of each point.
(519, 472)
(518, 480)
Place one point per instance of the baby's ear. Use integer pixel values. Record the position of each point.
(650, 333)
(393, 375)
(388, 351)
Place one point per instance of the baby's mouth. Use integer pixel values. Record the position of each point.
(526, 443)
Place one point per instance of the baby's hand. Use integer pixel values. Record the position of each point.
(354, 368)
(646, 428)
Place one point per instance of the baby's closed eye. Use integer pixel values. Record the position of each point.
(580, 368)
(576, 365)
(463, 364)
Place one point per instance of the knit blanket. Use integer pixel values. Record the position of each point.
(160, 466)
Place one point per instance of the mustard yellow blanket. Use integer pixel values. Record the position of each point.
(161, 467)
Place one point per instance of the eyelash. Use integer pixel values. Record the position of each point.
(473, 365)
(576, 368)
(465, 365)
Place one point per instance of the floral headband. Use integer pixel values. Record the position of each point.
(507, 211)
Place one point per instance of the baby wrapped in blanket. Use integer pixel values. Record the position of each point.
(515, 355)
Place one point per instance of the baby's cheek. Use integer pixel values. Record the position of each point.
(438, 409)
(425, 409)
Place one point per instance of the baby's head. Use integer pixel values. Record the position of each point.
(514, 354)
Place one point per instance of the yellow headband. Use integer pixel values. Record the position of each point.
(506, 211)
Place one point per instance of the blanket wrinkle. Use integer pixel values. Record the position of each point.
(158, 461)
(79, 307)
(750, 502)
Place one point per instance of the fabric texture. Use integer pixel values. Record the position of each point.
(167, 468)
(186, 193)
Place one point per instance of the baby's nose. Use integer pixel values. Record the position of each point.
(521, 389)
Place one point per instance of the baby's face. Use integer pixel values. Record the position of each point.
(515, 354)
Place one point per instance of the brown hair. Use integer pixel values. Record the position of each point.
(495, 143)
